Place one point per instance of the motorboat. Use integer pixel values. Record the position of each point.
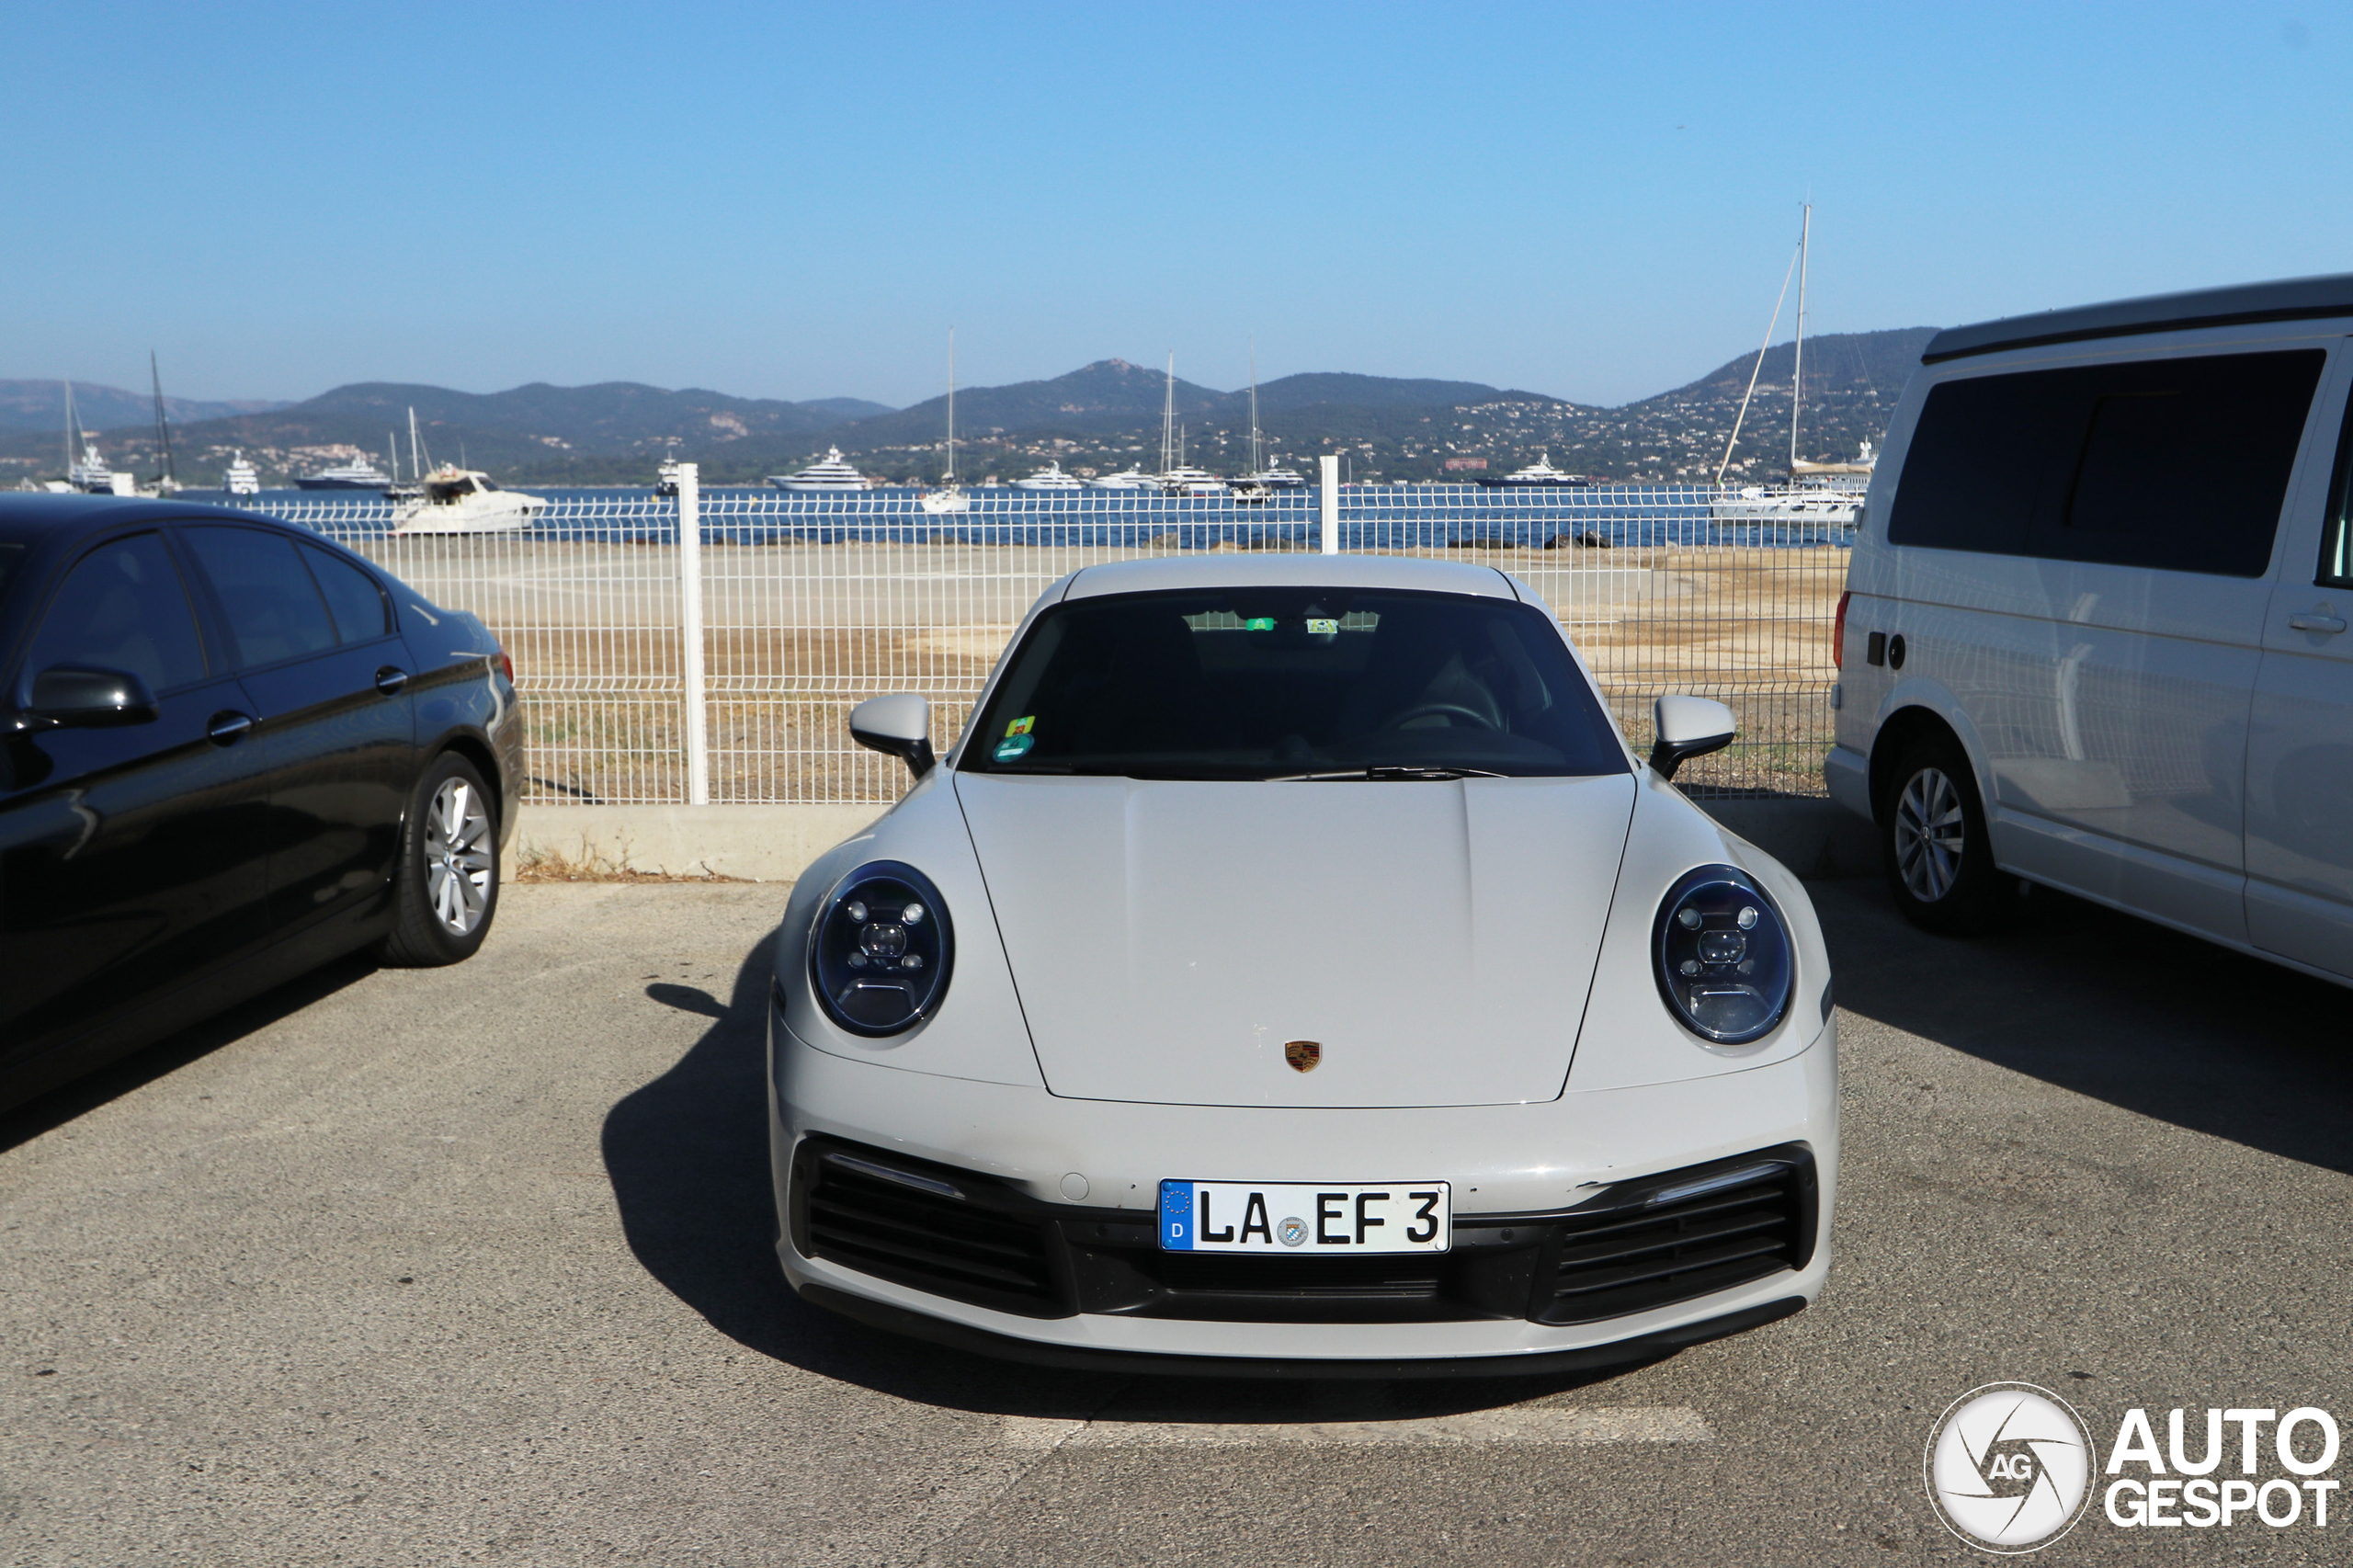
(1538, 475)
(1051, 477)
(464, 501)
(831, 471)
(240, 478)
(86, 471)
(1126, 478)
(359, 473)
(1277, 478)
(1186, 481)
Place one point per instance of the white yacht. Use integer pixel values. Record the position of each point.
(240, 478)
(828, 472)
(1538, 475)
(1830, 494)
(359, 473)
(1187, 481)
(464, 501)
(1278, 478)
(1126, 478)
(1051, 477)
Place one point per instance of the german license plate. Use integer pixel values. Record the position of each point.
(1247, 1216)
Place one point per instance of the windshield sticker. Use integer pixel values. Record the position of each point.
(1318, 628)
(1259, 623)
(1013, 747)
(1022, 725)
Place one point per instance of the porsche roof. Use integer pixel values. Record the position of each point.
(1303, 570)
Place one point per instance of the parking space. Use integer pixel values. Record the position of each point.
(473, 1264)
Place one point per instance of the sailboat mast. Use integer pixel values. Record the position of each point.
(168, 480)
(951, 405)
(415, 469)
(1257, 468)
(69, 427)
(1168, 415)
(1797, 363)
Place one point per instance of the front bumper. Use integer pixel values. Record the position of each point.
(1089, 1172)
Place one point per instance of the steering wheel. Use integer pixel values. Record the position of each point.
(1451, 710)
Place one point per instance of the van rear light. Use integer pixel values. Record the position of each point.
(499, 657)
(1838, 629)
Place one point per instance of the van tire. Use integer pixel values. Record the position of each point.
(1933, 843)
(452, 830)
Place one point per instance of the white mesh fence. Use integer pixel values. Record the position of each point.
(813, 602)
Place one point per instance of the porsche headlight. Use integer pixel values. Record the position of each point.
(880, 953)
(1723, 958)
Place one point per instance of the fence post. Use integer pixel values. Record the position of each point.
(690, 633)
(1328, 503)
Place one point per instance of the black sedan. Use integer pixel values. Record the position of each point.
(229, 751)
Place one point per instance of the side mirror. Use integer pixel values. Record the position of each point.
(1688, 727)
(898, 725)
(74, 698)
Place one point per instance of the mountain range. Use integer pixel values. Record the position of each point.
(1106, 414)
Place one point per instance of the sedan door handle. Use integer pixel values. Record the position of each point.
(227, 728)
(2313, 620)
(390, 680)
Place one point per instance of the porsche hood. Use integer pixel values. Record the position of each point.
(1178, 942)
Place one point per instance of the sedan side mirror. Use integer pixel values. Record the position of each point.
(88, 699)
(898, 725)
(1688, 727)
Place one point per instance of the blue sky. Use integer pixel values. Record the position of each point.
(797, 201)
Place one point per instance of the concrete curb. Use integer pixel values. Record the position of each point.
(754, 844)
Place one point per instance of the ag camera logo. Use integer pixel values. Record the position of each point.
(2009, 1467)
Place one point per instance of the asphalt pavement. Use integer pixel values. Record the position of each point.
(473, 1264)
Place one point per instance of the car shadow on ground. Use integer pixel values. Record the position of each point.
(174, 1051)
(2111, 1006)
(689, 1159)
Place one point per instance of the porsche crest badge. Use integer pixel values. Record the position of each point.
(1303, 1054)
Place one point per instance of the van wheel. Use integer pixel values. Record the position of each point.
(1933, 841)
(445, 889)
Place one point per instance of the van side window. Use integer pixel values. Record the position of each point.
(1969, 479)
(2180, 464)
(2336, 534)
(2185, 462)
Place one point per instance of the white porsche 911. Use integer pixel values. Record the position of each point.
(1292, 972)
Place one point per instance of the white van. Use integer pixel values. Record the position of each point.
(2094, 635)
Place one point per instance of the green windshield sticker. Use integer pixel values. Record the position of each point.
(1022, 725)
(1013, 747)
(1259, 623)
(1316, 628)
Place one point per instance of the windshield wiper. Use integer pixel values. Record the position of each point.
(1391, 771)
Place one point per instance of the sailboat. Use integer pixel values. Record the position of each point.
(950, 496)
(1260, 483)
(1826, 495)
(1175, 477)
(166, 482)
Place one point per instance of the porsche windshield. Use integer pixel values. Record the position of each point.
(1294, 683)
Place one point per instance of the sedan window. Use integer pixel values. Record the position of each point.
(274, 611)
(1298, 683)
(352, 596)
(122, 607)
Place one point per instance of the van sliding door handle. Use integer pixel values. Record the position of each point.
(2313, 620)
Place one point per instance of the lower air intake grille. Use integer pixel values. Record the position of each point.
(1685, 1235)
(890, 1219)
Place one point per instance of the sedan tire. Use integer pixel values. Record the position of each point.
(1933, 842)
(446, 888)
